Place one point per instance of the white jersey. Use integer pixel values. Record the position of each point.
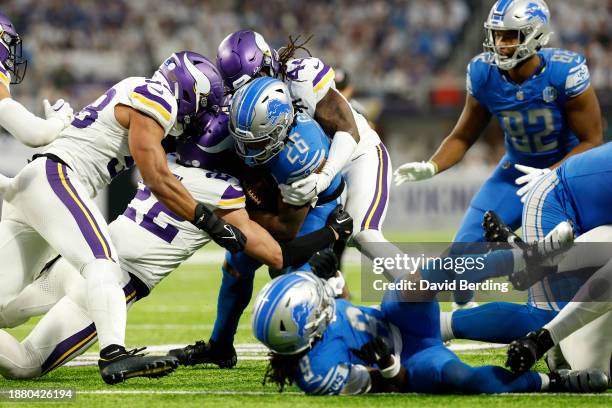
(309, 80)
(152, 241)
(96, 146)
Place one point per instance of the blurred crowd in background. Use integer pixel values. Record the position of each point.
(77, 48)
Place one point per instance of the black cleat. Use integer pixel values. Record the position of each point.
(496, 231)
(582, 381)
(117, 365)
(201, 352)
(524, 352)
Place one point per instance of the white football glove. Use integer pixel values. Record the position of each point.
(414, 171)
(59, 110)
(306, 190)
(530, 179)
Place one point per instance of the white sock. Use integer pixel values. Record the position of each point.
(446, 326)
(545, 381)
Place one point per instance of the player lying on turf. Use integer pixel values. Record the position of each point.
(151, 242)
(578, 191)
(14, 117)
(543, 100)
(273, 141)
(582, 329)
(331, 347)
(49, 208)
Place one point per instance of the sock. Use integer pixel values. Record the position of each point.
(446, 327)
(234, 296)
(545, 382)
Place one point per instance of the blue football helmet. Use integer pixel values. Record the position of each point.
(292, 311)
(260, 116)
(531, 20)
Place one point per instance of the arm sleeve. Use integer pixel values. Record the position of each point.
(26, 127)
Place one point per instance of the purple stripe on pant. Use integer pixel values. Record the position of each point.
(97, 242)
(378, 205)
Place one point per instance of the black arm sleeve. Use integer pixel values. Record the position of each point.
(299, 250)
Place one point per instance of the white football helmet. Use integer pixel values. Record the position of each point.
(292, 311)
(531, 20)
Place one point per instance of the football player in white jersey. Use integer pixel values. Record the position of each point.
(29, 129)
(151, 242)
(356, 150)
(49, 207)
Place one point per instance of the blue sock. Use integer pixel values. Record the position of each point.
(234, 296)
(460, 377)
(483, 266)
(498, 322)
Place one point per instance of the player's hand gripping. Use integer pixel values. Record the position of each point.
(305, 190)
(378, 352)
(224, 234)
(59, 110)
(341, 222)
(530, 179)
(414, 171)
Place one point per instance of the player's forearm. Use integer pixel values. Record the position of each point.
(381, 384)
(283, 226)
(26, 127)
(451, 151)
(172, 194)
(334, 114)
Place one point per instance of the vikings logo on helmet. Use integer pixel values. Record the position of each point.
(277, 109)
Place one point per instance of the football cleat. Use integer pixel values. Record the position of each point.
(582, 381)
(495, 230)
(201, 352)
(524, 352)
(461, 306)
(542, 257)
(119, 365)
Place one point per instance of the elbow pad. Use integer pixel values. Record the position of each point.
(26, 127)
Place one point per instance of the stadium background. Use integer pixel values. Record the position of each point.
(406, 60)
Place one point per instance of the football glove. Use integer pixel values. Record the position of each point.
(303, 191)
(530, 179)
(414, 171)
(224, 234)
(341, 222)
(59, 110)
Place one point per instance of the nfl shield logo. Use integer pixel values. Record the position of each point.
(549, 94)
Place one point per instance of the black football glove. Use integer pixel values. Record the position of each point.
(376, 352)
(324, 264)
(341, 222)
(224, 234)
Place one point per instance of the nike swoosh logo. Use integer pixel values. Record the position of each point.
(341, 222)
(228, 229)
(317, 66)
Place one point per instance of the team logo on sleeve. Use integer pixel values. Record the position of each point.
(549, 94)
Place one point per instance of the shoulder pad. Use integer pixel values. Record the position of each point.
(154, 99)
(570, 73)
(477, 71)
(311, 70)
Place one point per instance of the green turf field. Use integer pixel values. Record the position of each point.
(182, 309)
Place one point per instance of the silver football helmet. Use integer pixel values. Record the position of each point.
(531, 20)
(260, 116)
(292, 311)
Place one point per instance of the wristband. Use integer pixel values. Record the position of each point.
(392, 370)
(435, 165)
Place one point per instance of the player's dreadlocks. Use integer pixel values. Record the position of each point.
(281, 368)
(288, 52)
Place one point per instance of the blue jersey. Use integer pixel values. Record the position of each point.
(305, 151)
(587, 184)
(532, 113)
(326, 367)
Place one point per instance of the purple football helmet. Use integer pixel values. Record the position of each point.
(10, 50)
(208, 148)
(244, 54)
(196, 83)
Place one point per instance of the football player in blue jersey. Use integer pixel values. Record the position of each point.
(269, 135)
(543, 99)
(333, 347)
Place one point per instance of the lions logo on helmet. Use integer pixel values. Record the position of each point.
(292, 311)
(529, 18)
(260, 117)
